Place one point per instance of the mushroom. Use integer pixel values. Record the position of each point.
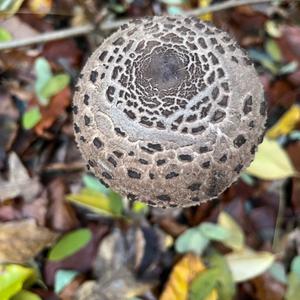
(169, 111)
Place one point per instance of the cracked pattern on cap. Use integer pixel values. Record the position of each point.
(169, 111)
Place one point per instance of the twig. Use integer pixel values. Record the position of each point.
(113, 24)
(279, 219)
(47, 37)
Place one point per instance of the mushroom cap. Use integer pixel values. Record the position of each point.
(169, 111)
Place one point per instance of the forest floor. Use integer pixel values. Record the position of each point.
(63, 235)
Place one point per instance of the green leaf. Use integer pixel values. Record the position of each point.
(273, 29)
(63, 278)
(264, 60)
(54, 85)
(271, 162)
(295, 266)
(247, 264)
(93, 183)
(203, 284)
(293, 290)
(4, 35)
(278, 272)
(214, 231)
(139, 207)
(43, 74)
(247, 179)
(31, 117)
(26, 295)
(236, 239)
(226, 286)
(174, 10)
(70, 244)
(273, 50)
(95, 201)
(192, 240)
(115, 203)
(12, 279)
(289, 68)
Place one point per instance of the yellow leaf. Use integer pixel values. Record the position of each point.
(182, 275)
(205, 3)
(236, 239)
(271, 162)
(286, 123)
(9, 7)
(93, 200)
(40, 7)
(248, 264)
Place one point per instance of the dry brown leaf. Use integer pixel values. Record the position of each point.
(182, 275)
(23, 240)
(54, 110)
(19, 182)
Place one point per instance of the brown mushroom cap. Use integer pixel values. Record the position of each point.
(169, 111)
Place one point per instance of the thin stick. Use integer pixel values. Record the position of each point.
(47, 37)
(113, 24)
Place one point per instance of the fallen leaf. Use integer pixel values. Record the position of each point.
(61, 214)
(81, 260)
(9, 7)
(182, 275)
(19, 182)
(286, 123)
(4, 35)
(293, 289)
(226, 286)
(97, 201)
(266, 287)
(271, 162)
(54, 85)
(214, 231)
(26, 295)
(40, 7)
(70, 244)
(93, 183)
(63, 278)
(273, 50)
(206, 17)
(236, 238)
(192, 240)
(273, 29)
(23, 240)
(54, 110)
(203, 286)
(43, 74)
(277, 271)
(248, 264)
(295, 265)
(12, 279)
(31, 117)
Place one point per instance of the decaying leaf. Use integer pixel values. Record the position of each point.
(236, 238)
(184, 272)
(247, 264)
(19, 182)
(271, 162)
(21, 241)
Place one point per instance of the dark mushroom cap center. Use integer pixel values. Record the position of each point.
(165, 70)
